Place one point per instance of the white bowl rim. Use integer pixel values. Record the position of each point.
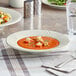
(31, 50)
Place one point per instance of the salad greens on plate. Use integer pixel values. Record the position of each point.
(73, 1)
(58, 2)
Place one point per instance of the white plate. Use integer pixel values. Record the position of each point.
(12, 39)
(15, 16)
(52, 5)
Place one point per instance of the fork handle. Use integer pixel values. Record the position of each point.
(57, 69)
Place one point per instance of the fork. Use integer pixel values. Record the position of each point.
(63, 71)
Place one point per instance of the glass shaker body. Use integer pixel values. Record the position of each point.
(37, 13)
(28, 8)
(29, 12)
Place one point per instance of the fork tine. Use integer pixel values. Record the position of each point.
(63, 63)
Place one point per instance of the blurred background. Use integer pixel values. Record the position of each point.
(52, 19)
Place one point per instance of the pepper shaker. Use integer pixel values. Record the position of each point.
(28, 8)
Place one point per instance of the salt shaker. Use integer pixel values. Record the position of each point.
(37, 7)
(37, 13)
(28, 8)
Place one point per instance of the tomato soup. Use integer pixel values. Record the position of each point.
(50, 43)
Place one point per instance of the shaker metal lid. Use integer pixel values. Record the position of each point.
(29, 0)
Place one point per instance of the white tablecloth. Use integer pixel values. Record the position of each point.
(15, 63)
